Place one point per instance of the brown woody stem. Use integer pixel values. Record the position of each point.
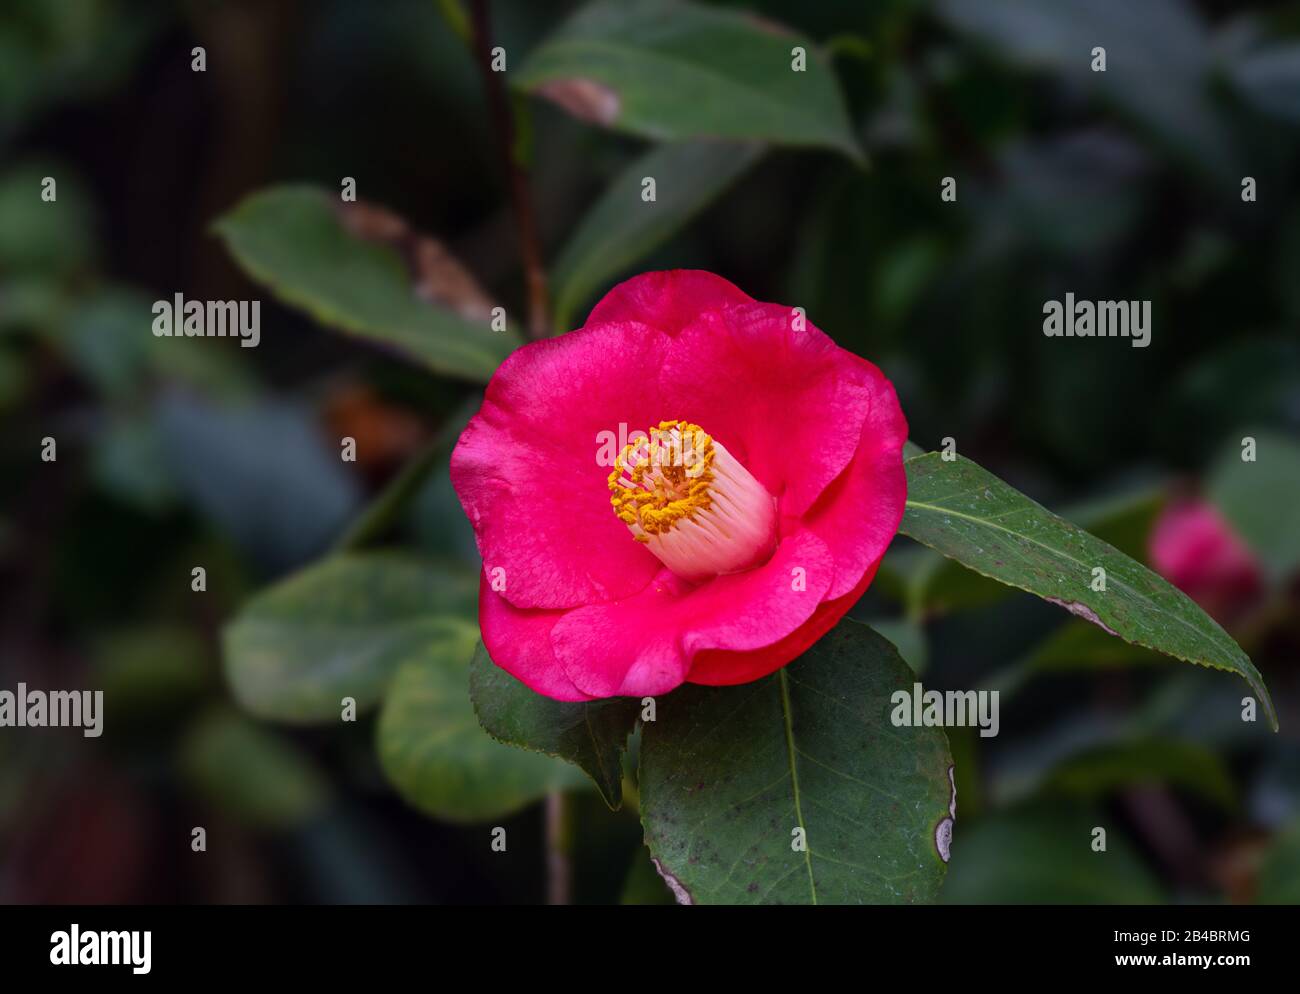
(520, 194)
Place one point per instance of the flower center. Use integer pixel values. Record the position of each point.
(698, 509)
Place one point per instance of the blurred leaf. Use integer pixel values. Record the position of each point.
(1158, 60)
(130, 463)
(1071, 194)
(50, 51)
(292, 239)
(339, 629)
(1092, 773)
(669, 70)
(439, 758)
(1261, 499)
(55, 237)
(1043, 855)
(968, 514)
(103, 340)
(252, 774)
(1279, 873)
(907, 637)
(1255, 382)
(1076, 645)
(30, 301)
(148, 671)
(591, 734)
(727, 774)
(621, 228)
(262, 472)
(1270, 79)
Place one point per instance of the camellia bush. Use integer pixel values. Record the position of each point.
(678, 493)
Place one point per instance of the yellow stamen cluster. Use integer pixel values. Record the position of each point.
(659, 481)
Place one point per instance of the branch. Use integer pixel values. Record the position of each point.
(520, 195)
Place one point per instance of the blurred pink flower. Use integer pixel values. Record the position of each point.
(1196, 550)
(760, 484)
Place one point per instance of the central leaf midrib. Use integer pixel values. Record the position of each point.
(794, 777)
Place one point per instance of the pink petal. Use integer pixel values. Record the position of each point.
(667, 300)
(645, 644)
(723, 668)
(526, 468)
(859, 513)
(519, 641)
(788, 404)
(1194, 547)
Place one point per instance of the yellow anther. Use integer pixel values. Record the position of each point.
(664, 478)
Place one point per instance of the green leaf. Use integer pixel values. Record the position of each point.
(591, 734)
(251, 773)
(621, 228)
(931, 584)
(968, 514)
(339, 629)
(728, 773)
(291, 239)
(669, 70)
(1044, 855)
(1260, 499)
(434, 752)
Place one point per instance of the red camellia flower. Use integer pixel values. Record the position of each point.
(1196, 550)
(694, 486)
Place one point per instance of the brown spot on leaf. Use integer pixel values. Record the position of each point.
(943, 838)
(585, 99)
(767, 25)
(436, 275)
(681, 893)
(1083, 611)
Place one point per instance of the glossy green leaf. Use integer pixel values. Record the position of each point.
(592, 735)
(290, 238)
(932, 584)
(728, 774)
(621, 227)
(339, 629)
(435, 753)
(669, 70)
(1044, 855)
(968, 514)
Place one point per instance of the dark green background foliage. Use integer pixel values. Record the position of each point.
(328, 579)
